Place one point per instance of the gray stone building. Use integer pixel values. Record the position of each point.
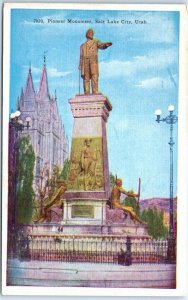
(47, 132)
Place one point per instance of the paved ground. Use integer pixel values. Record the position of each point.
(61, 274)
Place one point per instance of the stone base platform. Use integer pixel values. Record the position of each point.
(61, 274)
(116, 229)
(49, 229)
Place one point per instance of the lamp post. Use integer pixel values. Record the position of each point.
(17, 123)
(171, 119)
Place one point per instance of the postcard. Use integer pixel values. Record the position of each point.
(94, 149)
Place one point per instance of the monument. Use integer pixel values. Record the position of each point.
(85, 205)
(83, 218)
(88, 182)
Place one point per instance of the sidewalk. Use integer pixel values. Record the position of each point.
(61, 274)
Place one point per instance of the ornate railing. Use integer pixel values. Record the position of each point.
(91, 249)
(152, 251)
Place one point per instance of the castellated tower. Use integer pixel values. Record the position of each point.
(47, 132)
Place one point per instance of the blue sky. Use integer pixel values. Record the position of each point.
(138, 74)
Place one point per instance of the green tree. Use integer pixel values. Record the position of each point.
(154, 220)
(24, 183)
(64, 172)
(112, 179)
(132, 201)
(52, 182)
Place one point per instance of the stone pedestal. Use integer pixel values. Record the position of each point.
(84, 211)
(88, 182)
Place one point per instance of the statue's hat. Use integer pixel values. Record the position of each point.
(90, 29)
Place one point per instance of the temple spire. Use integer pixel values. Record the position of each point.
(21, 94)
(43, 87)
(29, 89)
(44, 63)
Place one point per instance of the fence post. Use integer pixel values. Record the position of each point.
(23, 244)
(171, 251)
(128, 254)
(125, 258)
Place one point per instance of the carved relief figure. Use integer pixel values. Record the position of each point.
(88, 164)
(89, 61)
(74, 171)
(86, 168)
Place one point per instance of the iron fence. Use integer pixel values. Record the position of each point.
(95, 250)
(152, 251)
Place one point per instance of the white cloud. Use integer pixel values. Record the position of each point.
(158, 60)
(155, 82)
(165, 82)
(52, 72)
(156, 23)
(115, 68)
(35, 70)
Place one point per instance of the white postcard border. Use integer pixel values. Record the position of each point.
(182, 157)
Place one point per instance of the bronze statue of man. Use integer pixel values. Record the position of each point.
(115, 200)
(89, 61)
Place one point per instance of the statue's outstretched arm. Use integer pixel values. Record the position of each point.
(127, 193)
(103, 46)
(123, 191)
